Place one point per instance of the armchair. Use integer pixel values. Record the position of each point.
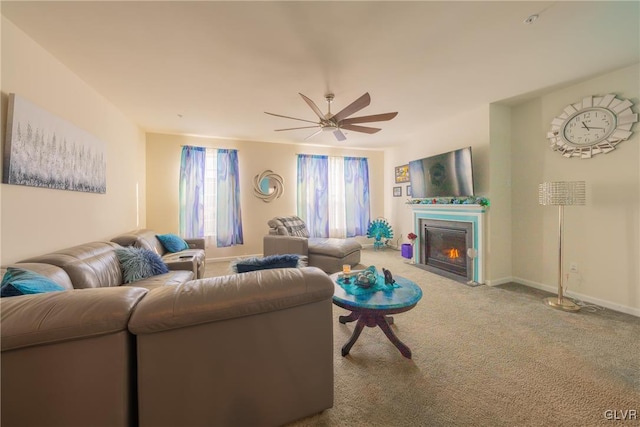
(289, 235)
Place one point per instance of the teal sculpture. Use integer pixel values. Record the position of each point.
(379, 229)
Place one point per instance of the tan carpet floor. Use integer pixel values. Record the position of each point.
(483, 356)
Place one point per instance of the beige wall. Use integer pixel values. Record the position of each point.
(510, 155)
(163, 168)
(601, 237)
(499, 218)
(470, 128)
(38, 220)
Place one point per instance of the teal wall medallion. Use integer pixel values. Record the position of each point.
(268, 186)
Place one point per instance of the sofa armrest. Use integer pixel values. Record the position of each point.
(278, 245)
(195, 243)
(228, 297)
(31, 320)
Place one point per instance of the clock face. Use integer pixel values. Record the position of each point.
(595, 125)
(589, 126)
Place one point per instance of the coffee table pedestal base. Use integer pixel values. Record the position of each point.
(372, 319)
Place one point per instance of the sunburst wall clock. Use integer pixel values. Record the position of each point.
(593, 126)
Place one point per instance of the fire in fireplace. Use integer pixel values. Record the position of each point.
(444, 247)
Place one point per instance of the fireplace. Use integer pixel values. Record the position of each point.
(455, 233)
(444, 248)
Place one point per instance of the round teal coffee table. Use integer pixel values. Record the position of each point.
(372, 307)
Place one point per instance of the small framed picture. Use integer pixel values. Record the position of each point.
(402, 174)
(397, 191)
(408, 191)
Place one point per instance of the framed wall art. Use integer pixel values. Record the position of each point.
(397, 191)
(408, 191)
(43, 150)
(402, 174)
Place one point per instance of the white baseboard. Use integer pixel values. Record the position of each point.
(586, 298)
(553, 289)
(501, 281)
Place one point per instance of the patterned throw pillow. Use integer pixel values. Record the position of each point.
(271, 261)
(18, 281)
(172, 242)
(294, 225)
(138, 264)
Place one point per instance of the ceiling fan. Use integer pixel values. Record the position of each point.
(336, 122)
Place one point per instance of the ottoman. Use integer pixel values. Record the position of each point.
(330, 254)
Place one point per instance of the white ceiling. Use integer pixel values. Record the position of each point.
(221, 65)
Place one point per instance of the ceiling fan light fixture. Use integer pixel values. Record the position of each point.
(336, 123)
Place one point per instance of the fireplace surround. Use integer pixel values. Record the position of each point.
(460, 256)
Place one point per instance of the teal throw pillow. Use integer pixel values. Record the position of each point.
(271, 261)
(172, 242)
(139, 263)
(18, 281)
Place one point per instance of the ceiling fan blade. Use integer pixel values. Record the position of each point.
(314, 134)
(339, 135)
(373, 118)
(303, 127)
(287, 117)
(313, 106)
(364, 129)
(354, 107)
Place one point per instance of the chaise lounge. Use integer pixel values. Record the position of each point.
(289, 235)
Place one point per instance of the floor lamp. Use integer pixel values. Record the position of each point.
(561, 194)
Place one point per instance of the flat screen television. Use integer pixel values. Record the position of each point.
(443, 175)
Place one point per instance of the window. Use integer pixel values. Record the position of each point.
(210, 195)
(333, 195)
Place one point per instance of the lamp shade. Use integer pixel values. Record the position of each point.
(563, 193)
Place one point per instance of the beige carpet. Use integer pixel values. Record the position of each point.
(483, 356)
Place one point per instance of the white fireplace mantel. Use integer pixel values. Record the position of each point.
(473, 213)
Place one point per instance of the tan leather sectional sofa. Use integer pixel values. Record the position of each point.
(189, 259)
(244, 349)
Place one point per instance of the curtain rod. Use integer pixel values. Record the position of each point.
(202, 146)
(328, 155)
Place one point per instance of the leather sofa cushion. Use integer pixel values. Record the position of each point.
(144, 238)
(91, 265)
(337, 248)
(172, 278)
(31, 320)
(227, 297)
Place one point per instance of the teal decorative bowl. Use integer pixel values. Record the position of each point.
(367, 278)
